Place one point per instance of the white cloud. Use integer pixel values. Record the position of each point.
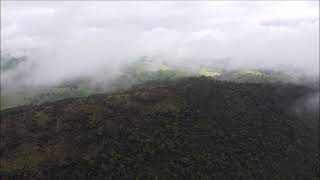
(75, 38)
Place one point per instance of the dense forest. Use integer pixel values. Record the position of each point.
(185, 128)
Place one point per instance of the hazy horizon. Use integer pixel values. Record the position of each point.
(68, 39)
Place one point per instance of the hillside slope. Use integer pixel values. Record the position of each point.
(193, 128)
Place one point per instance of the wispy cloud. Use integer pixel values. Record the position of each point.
(71, 39)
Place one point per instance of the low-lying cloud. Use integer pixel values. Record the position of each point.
(66, 40)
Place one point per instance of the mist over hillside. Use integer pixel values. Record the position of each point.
(18, 89)
(61, 45)
(46, 44)
(159, 90)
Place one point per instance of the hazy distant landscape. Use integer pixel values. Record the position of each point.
(159, 90)
(137, 72)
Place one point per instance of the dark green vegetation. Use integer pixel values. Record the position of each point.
(193, 128)
(137, 72)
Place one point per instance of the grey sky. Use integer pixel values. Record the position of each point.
(71, 38)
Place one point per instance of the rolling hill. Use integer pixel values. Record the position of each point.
(188, 128)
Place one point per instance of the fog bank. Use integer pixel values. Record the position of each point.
(65, 40)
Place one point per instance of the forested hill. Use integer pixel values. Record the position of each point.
(192, 128)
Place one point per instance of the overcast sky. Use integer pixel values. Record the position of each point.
(71, 38)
